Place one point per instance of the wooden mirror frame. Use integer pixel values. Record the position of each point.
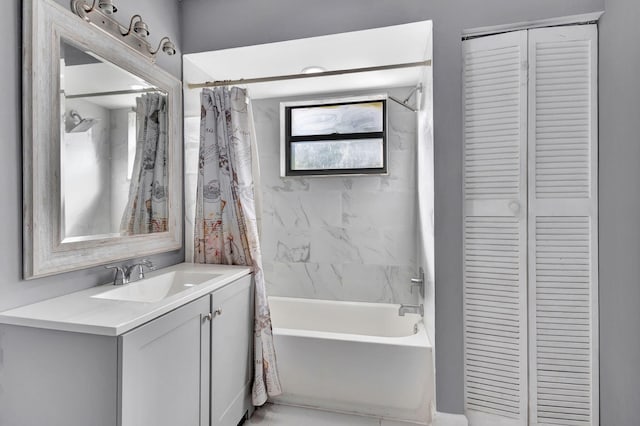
(45, 22)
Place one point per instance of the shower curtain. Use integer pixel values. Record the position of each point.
(147, 209)
(226, 227)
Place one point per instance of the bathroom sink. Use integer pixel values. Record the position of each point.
(156, 288)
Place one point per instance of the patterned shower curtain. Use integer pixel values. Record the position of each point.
(226, 229)
(147, 209)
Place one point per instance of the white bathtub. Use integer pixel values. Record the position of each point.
(353, 357)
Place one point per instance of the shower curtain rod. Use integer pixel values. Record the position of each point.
(219, 83)
(111, 93)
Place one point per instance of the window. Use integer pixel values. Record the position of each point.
(334, 137)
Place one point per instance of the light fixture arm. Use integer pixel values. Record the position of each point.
(162, 40)
(131, 24)
(80, 8)
(93, 6)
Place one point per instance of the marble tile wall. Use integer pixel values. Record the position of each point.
(87, 177)
(340, 238)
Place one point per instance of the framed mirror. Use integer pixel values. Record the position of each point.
(102, 157)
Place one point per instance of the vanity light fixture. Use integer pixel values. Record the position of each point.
(139, 27)
(99, 13)
(82, 8)
(107, 7)
(167, 47)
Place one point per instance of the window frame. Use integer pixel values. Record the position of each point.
(286, 139)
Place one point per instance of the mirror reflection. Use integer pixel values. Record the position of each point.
(113, 157)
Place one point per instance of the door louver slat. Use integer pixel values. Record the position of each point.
(495, 131)
(559, 65)
(563, 402)
(493, 312)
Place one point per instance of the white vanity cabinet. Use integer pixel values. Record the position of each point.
(231, 352)
(164, 369)
(191, 366)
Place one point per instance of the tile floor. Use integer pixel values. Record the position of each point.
(282, 415)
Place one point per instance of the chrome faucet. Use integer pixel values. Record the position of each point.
(124, 279)
(140, 265)
(125, 271)
(412, 309)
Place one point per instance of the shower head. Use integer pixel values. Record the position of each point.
(83, 126)
(74, 123)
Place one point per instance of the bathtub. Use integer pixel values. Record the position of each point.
(352, 357)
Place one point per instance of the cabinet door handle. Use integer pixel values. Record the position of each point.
(217, 312)
(208, 317)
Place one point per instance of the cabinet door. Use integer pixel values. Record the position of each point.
(164, 369)
(231, 352)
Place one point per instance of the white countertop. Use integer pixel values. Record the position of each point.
(79, 312)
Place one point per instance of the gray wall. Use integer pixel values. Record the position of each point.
(209, 25)
(619, 214)
(163, 18)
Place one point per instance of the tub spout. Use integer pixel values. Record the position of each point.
(415, 309)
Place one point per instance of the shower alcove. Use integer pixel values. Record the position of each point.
(336, 237)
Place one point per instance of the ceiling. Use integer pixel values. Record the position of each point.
(358, 49)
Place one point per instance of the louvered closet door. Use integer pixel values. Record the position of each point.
(563, 276)
(495, 100)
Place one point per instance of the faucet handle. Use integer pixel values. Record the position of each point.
(418, 282)
(144, 262)
(119, 270)
(148, 263)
